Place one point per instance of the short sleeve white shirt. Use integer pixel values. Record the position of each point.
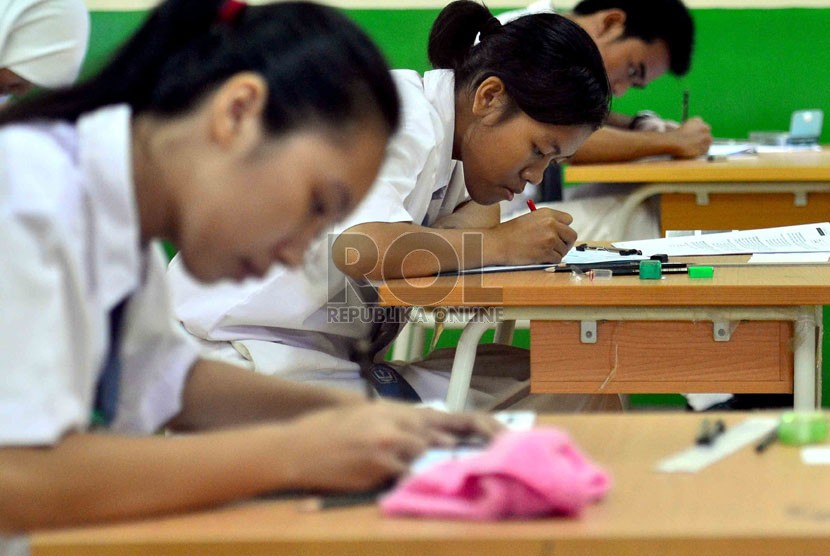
(70, 252)
(419, 182)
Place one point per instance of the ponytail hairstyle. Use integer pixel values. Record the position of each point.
(551, 68)
(319, 66)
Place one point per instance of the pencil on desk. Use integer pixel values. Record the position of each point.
(767, 441)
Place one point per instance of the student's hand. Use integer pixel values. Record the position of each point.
(691, 139)
(540, 236)
(359, 448)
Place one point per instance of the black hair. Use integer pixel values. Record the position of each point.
(550, 67)
(319, 66)
(651, 20)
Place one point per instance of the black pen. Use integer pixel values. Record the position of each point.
(623, 252)
(635, 271)
(565, 267)
(767, 441)
(619, 267)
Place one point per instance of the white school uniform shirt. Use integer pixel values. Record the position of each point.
(70, 251)
(44, 41)
(541, 6)
(280, 324)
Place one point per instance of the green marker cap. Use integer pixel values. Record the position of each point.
(701, 271)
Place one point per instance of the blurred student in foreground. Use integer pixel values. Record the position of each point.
(238, 133)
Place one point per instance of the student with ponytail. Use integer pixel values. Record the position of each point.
(236, 132)
(503, 103)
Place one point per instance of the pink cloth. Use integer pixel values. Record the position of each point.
(522, 474)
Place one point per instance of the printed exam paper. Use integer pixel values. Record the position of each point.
(804, 238)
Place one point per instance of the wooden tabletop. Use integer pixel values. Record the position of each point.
(802, 166)
(747, 285)
(762, 505)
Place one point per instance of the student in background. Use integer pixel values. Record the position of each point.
(42, 44)
(237, 133)
(639, 41)
(504, 103)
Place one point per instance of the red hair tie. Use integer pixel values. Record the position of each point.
(230, 10)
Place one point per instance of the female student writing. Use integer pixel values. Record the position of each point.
(237, 133)
(505, 101)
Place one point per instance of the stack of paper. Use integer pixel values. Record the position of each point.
(804, 238)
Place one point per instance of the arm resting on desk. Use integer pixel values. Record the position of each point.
(91, 478)
(470, 215)
(220, 395)
(610, 144)
(389, 250)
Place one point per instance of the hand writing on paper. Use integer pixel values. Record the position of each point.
(359, 448)
(692, 139)
(541, 236)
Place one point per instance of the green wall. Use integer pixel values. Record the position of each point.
(108, 30)
(752, 68)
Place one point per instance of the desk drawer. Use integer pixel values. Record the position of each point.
(727, 211)
(660, 356)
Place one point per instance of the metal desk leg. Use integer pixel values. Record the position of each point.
(504, 332)
(14, 546)
(402, 347)
(462, 366)
(804, 362)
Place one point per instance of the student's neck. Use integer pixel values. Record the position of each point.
(463, 119)
(156, 208)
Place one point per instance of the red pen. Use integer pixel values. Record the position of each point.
(531, 205)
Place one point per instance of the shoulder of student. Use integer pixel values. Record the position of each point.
(38, 164)
(422, 126)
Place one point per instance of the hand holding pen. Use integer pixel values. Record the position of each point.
(368, 444)
(691, 140)
(540, 236)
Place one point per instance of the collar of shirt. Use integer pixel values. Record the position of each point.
(439, 89)
(106, 162)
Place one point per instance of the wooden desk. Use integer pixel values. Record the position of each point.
(768, 505)
(748, 329)
(742, 192)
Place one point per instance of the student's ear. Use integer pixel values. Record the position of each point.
(490, 100)
(607, 25)
(236, 110)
